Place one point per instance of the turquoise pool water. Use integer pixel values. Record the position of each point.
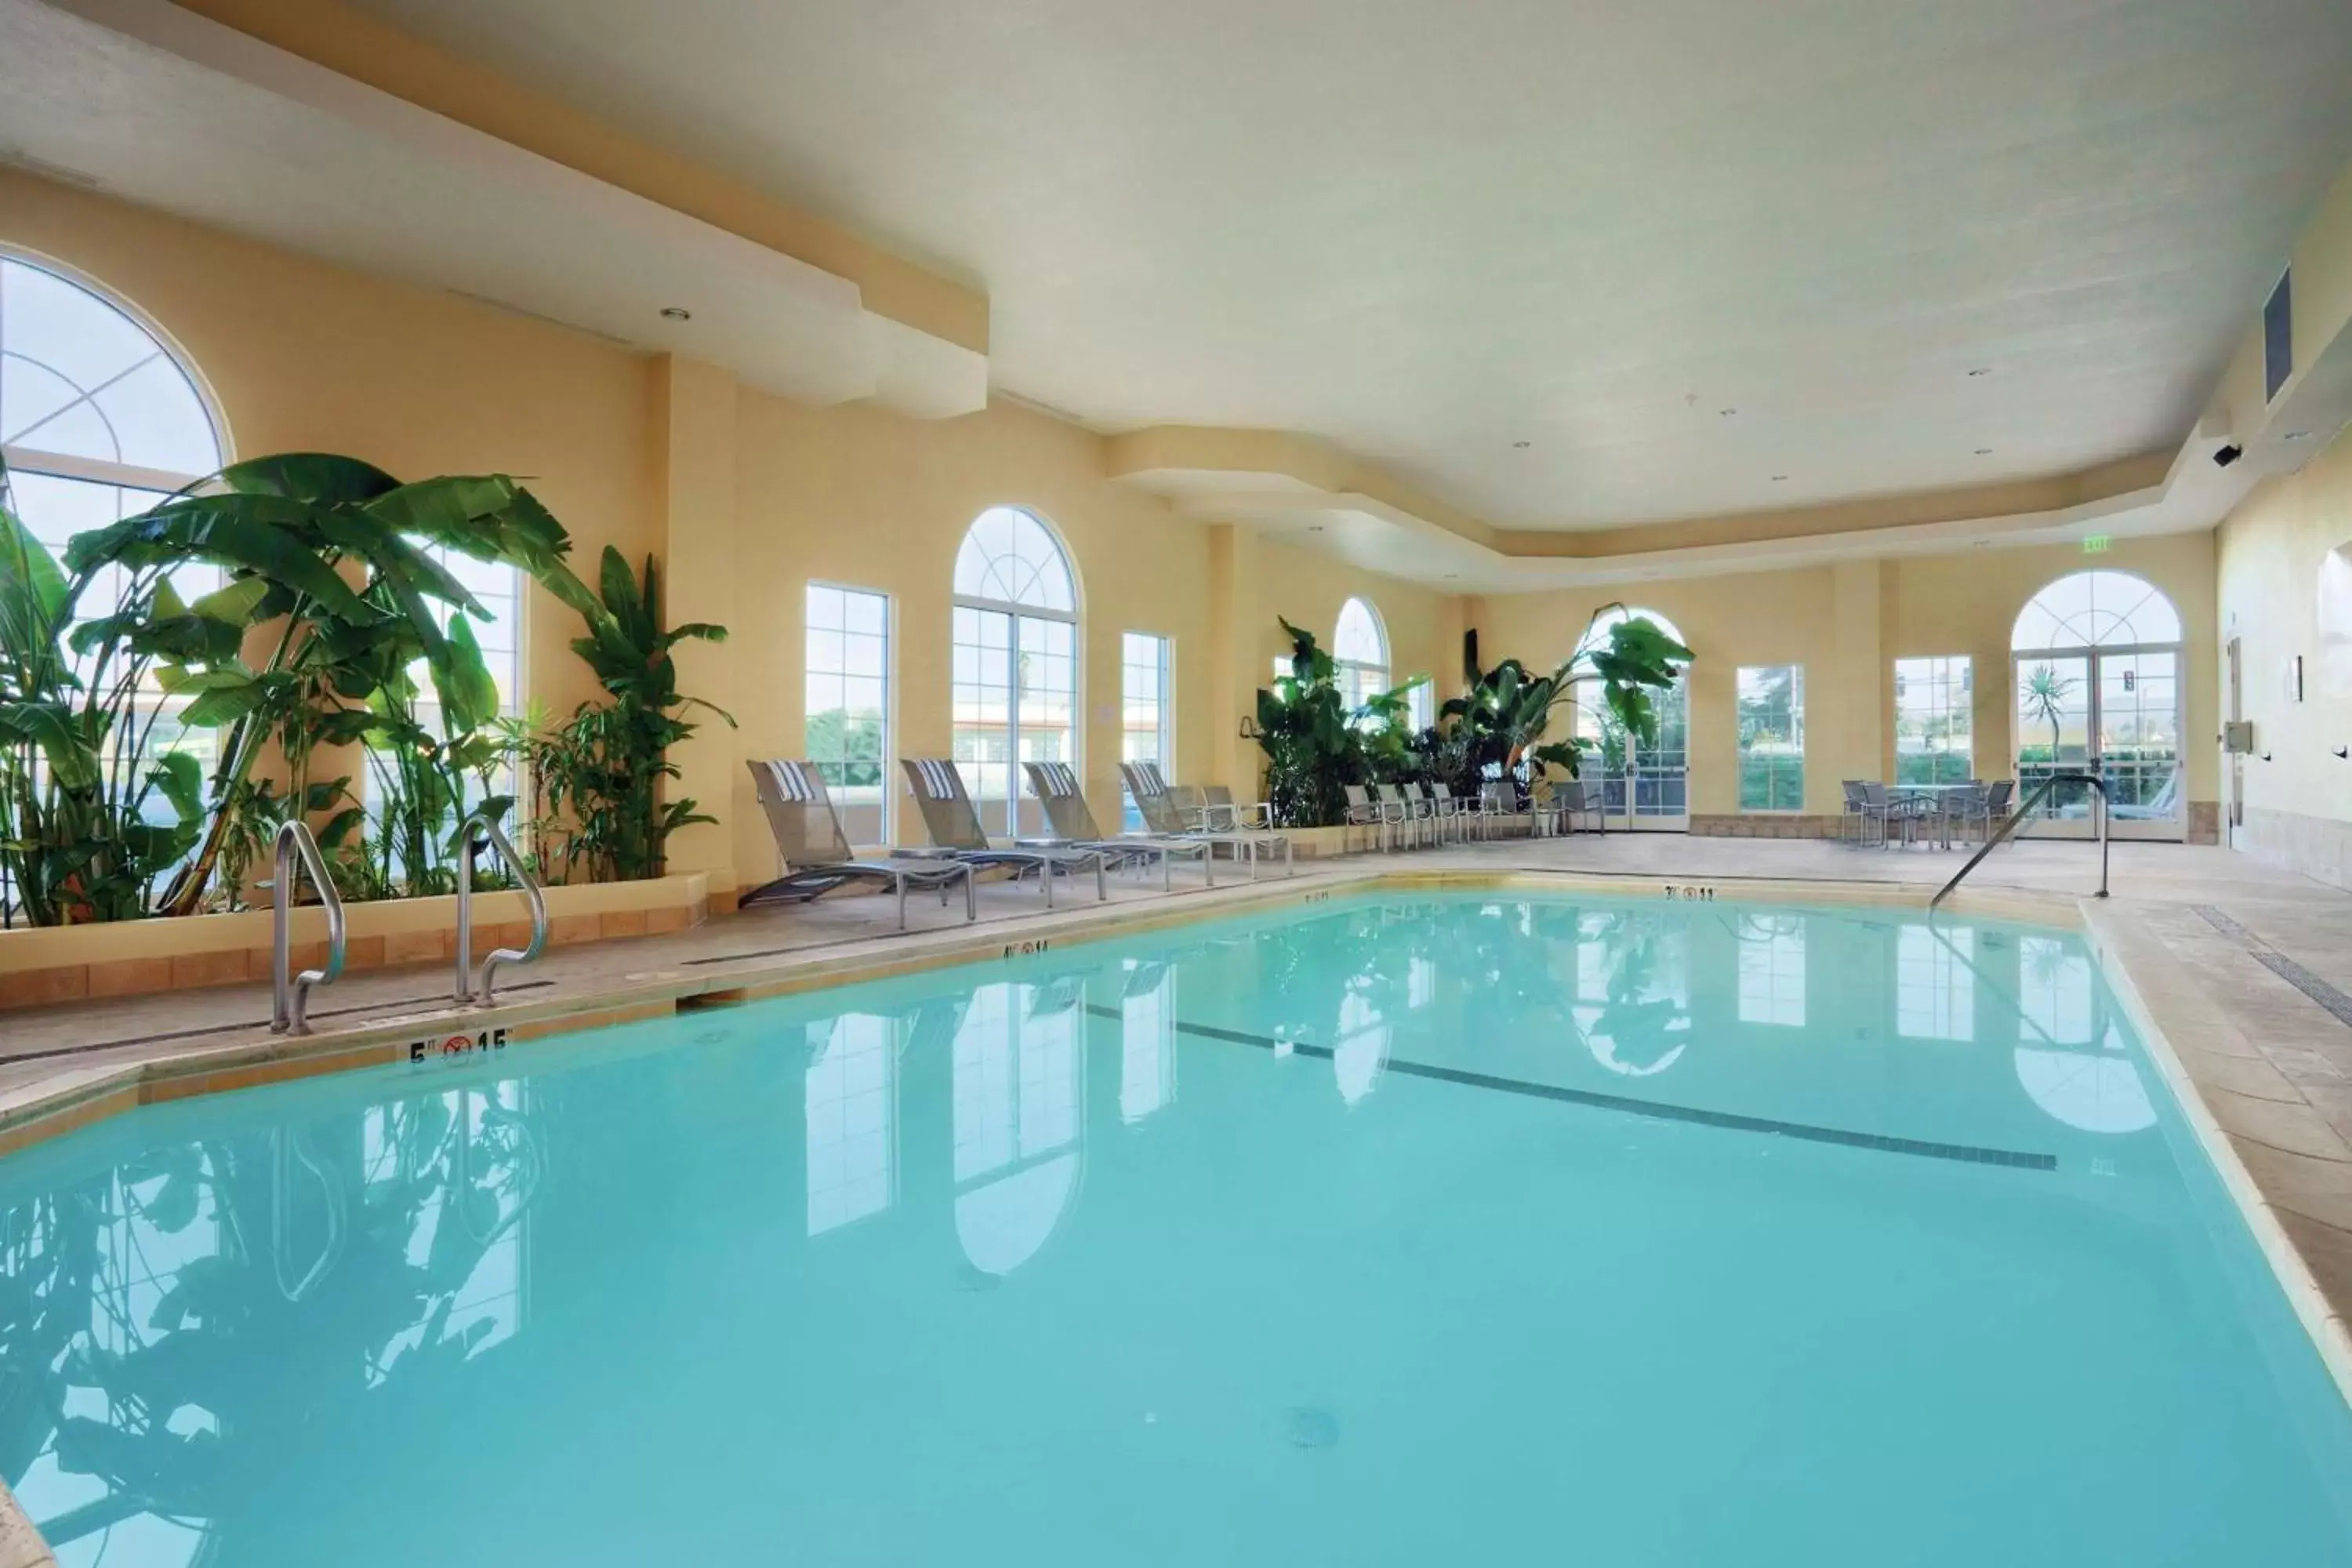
(1431, 1230)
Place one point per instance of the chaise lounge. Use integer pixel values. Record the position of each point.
(817, 855)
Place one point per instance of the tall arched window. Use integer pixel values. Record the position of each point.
(1649, 786)
(100, 418)
(2098, 661)
(1359, 646)
(1015, 647)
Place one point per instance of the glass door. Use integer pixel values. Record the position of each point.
(2139, 742)
(2114, 713)
(1641, 788)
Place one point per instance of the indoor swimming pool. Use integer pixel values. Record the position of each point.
(1406, 1229)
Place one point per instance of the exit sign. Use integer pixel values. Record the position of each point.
(2096, 544)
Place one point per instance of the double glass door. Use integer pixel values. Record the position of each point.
(1015, 696)
(2114, 712)
(1643, 788)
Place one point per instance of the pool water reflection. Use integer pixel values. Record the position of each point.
(1054, 1260)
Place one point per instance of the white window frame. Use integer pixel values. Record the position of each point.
(1360, 679)
(1776, 766)
(1018, 781)
(889, 692)
(1952, 678)
(34, 461)
(1164, 715)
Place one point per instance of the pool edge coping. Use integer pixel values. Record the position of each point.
(2326, 1327)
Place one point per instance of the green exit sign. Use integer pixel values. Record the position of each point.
(2097, 544)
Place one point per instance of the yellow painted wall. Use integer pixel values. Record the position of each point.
(745, 496)
(1846, 624)
(2271, 552)
(307, 357)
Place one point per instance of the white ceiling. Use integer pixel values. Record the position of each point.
(1425, 231)
(162, 107)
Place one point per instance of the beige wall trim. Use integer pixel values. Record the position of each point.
(1283, 483)
(331, 34)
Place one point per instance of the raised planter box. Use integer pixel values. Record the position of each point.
(132, 958)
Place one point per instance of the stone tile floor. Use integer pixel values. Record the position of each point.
(2211, 939)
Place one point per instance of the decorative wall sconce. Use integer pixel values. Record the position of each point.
(1249, 729)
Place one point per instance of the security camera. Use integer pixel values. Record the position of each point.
(2228, 455)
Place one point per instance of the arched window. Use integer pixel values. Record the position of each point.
(91, 394)
(1359, 646)
(2096, 609)
(2098, 661)
(1015, 648)
(1648, 785)
(100, 418)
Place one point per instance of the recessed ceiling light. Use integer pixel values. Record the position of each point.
(1984, 451)
(1981, 370)
(676, 313)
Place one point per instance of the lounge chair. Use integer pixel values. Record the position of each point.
(1157, 800)
(816, 854)
(1056, 786)
(954, 827)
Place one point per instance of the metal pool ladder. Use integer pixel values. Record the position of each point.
(2018, 818)
(291, 993)
(469, 990)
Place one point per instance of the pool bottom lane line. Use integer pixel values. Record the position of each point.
(1963, 1153)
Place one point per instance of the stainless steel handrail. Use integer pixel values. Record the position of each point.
(2024, 812)
(468, 989)
(291, 993)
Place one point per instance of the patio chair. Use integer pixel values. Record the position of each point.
(1462, 811)
(1443, 813)
(816, 854)
(1227, 815)
(1496, 800)
(1409, 812)
(954, 827)
(1572, 800)
(1893, 815)
(1855, 818)
(1363, 811)
(1056, 787)
(1985, 805)
(1156, 798)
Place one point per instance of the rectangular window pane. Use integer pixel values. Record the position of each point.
(1772, 970)
(1935, 988)
(497, 587)
(1145, 718)
(847, 676)
(1934, 720)
(1772, 737)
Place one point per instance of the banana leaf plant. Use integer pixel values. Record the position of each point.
(327, 557)
(598, 778)
(1314, 744)
(96, 803)
(1506, 712)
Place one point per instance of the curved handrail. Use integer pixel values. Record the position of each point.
(290, 994)
(469, 990)
(2017, 819)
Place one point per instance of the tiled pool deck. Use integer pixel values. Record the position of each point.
(2243, 971)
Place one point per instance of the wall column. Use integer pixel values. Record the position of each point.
(1854, 698)
(694, 416)
(1236, 670)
